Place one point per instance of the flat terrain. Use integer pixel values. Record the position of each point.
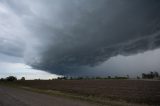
(17, 97)
(80, 93)
(134, 91)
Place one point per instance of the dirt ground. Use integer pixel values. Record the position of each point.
(17, 97)
(136, 91)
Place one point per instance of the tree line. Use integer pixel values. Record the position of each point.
(11, 78)
(92, 78)
(150, 75)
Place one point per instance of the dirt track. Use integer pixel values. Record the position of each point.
(17, 97)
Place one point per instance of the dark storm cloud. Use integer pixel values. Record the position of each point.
(68, 35)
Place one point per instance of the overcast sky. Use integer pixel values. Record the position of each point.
(79, 37)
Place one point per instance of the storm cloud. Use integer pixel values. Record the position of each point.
(66, 36)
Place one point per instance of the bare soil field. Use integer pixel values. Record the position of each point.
(134, 91)
(10, 96)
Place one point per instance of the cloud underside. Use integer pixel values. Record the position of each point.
(72, 62)
(67, 36)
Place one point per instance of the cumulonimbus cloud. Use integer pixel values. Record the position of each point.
(68, 35)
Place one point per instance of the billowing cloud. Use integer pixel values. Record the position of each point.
(64, 37)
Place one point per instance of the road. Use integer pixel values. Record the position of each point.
(18, 97)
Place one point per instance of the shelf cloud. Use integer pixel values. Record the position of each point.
(65, 36)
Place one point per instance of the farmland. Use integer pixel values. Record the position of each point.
(134, 91)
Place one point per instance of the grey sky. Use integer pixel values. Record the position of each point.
(74, 37)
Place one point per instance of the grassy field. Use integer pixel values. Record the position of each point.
(132, 91)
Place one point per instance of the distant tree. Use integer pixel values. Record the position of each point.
(11, 78)
(59, 78)
(143, 75)
(65, 78)
(109, 77)
(71, 78)
(62, 78)
(2, 79)
(98, 78)
(80, 78)
(53, 79)
(156, 74)
(23, 79)
(150, 75)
